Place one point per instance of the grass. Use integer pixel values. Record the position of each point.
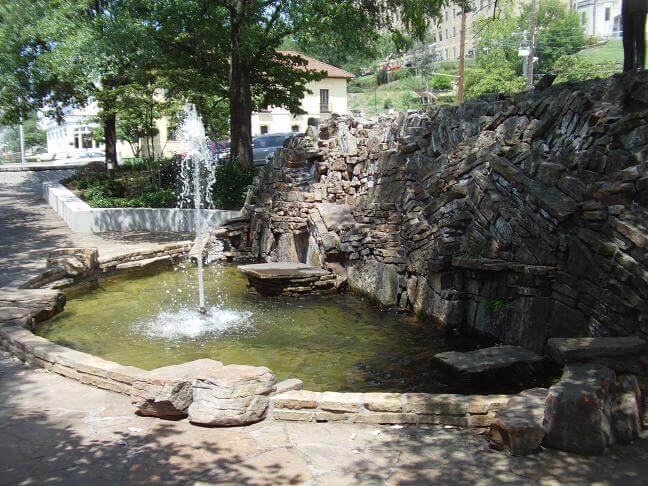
(612, 51)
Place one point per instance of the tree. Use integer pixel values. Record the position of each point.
(499, 67)
(35, 138)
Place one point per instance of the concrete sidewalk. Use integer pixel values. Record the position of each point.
(29, 228)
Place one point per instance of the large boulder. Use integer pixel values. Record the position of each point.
(74, 261)
(232, 395)
(569, 350)
(518, 426)
(578, 410)
(167, 392)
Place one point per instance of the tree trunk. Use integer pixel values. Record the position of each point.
(240, 95)
(110, 137)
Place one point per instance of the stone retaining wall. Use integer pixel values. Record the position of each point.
(519, 217)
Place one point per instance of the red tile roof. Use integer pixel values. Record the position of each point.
(315, 65)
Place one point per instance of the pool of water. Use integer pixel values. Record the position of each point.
(339, 342)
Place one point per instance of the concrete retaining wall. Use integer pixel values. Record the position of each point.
(81, 218)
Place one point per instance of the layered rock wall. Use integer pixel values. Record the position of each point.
(519, 218)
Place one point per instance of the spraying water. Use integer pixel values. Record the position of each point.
(197, 165)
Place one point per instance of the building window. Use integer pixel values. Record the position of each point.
(608, 14)
(325, 107)
(295, 128)
(264, 129)
(454, 32)
(87, 140)
(440, 36)
(171, 135)
(446, 54)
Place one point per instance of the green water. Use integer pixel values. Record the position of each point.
(339, 342)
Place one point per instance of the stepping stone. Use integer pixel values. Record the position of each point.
(502, 361)
(271, 279)
(518, 426)
(568, 350)
(281, 271)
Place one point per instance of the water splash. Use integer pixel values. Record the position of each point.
(191, 323)
(197, 176)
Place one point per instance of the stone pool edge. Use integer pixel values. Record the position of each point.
(464, 411)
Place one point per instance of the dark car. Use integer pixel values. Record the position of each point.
(264, 146)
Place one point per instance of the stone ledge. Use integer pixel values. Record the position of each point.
(473, 411)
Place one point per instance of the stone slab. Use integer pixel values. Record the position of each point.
(496, 359)
(282, 271)
(566, 350)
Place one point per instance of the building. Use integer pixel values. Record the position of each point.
(73, 136)
(600, 18)
(322, 98)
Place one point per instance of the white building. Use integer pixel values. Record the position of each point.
(326, 97)
(600, 18)
(73, 137)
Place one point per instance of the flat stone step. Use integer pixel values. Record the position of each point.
(282, 271)
(568, 350)
(490, 361)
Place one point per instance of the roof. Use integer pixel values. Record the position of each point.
(315, 65)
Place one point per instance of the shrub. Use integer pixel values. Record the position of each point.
(230, 185)
(163, 198)
(441, 83)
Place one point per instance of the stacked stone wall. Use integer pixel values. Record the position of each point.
(519, 218)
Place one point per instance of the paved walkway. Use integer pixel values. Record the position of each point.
(29, 228)
(54, 430)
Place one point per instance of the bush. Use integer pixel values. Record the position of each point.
(163, 198)
(230, 185)
(441, 83)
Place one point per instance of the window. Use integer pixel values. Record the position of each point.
(454, 32)
(608, 14)
(295, 128)
(440, 36)
(171, 134)
(446, 54)
(264, 129)
(86, 140)
(324, 101)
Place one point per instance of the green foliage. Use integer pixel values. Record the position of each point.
(230, 185)
(34, 136)
(410, 100)
(497, 307)
(578, 68)
(499, 68)
(494, 75)
(441, 83)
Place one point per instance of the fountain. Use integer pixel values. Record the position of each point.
(196, 163)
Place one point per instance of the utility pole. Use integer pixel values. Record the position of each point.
(22, 138)
(462, 59)
(532, 45)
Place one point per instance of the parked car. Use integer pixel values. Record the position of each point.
(264, 146)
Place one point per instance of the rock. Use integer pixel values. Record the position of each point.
(17, 315)
(40, 303)
(74, 261)
(501, 361)
(296, 399)
(568, 350)
(578, 410)
(291, 384)
(518, 425)
(147, 264)
(167, 392)
(375, 279)
(231, 395)
(335, 215)
(626, 410)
